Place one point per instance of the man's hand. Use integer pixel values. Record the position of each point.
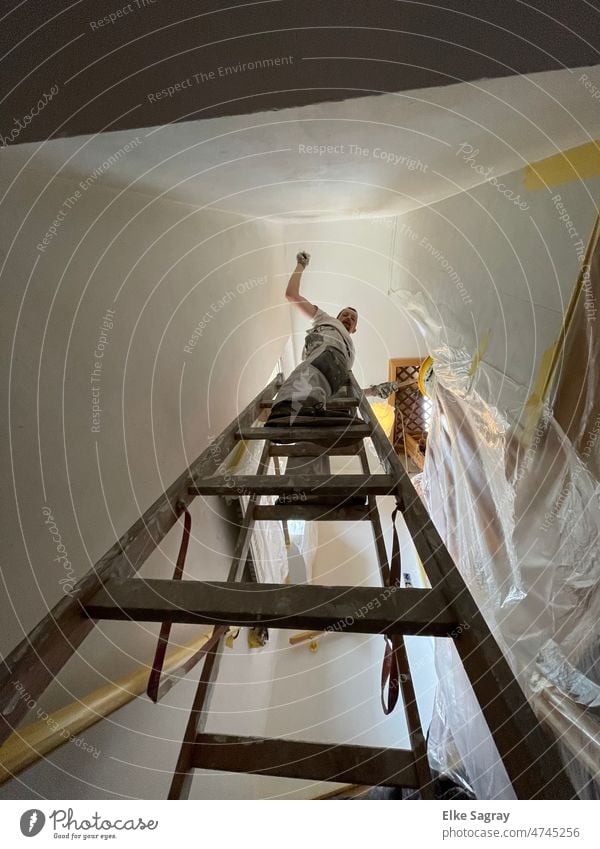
(382, 390)
(292, 293)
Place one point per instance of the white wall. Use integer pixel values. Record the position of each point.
(514, 269)
(162, 267)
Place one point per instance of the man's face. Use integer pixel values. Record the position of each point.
(349, 318)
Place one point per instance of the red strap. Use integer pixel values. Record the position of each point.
(396, 562)
(167, 682)
(390, 670)
(390, 675)
(165, 628)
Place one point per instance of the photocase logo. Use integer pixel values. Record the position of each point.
(32, 822)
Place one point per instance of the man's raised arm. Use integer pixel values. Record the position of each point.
(292, 293)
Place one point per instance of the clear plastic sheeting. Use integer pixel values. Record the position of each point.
(459, 744)
(517, 503)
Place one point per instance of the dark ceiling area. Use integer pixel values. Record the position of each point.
(71, 68)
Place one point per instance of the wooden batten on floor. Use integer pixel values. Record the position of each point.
(32, 742)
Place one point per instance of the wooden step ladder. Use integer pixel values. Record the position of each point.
(445, 609)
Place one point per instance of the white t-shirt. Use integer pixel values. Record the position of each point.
(328, 331)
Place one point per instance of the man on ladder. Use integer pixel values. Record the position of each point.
(327, 358)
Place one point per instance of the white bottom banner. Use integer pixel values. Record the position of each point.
(277, 824)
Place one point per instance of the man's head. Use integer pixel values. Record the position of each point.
(349, 318)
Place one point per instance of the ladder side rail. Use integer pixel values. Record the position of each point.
(184, 769)
(181, 782)
(173, 678)
(248, 522)
(531, 757)
(183, 774)
(427, 541)
(284, 524)
(409, 698)
(413, 720)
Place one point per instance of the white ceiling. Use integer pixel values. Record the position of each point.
(255, 165)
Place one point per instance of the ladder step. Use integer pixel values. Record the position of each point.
(300, 759)
(321, 422)
(332, 404)
(362, 610)
(307, 434)
(299, 485)
(310, 513)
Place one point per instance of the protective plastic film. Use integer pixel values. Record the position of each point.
(517, 503)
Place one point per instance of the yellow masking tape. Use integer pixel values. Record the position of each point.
(480, 352)
(577, 163)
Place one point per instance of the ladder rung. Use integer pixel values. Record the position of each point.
(296, 485)
(363, 610)
(311, 513)
(301, 759)
(307, 434)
